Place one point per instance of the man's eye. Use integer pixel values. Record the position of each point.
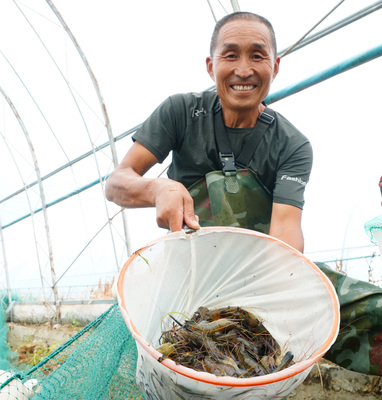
(231, 56)
(257, 57)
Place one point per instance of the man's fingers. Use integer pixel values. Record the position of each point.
(176, 221)
(175, 207)
(190, 219)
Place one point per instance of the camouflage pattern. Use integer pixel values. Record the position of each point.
(359, 343)
(238, 200)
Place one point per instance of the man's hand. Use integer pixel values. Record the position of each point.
(174, 205)
(127, 187)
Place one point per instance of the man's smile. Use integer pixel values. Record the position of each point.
(243, 87)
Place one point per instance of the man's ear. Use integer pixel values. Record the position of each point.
(210, 68)
(276, 68)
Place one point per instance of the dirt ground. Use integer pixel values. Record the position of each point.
(328, 381)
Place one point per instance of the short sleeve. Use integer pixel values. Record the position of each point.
(159, 132)
(293, 176)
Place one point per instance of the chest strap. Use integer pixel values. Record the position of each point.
(227, 158)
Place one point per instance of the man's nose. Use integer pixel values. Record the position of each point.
(244, 68)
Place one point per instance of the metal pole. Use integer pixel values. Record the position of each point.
(310, 30)
(235, 5)
(212, 11)
(338, 25)
(322, 76)
(43, 203)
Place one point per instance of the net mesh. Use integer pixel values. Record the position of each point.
(372, 226)
(97, 363)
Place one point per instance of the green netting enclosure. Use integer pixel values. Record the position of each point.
(97, 363)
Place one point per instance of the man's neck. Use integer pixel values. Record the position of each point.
(246, 119)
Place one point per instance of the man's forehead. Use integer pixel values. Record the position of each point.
(243, 28)
(254, 37)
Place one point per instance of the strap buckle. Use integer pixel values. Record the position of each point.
(228, 162)
(267, 118)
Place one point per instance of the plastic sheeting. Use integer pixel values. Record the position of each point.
(218, 267)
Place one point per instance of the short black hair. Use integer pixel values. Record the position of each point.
(241, 15)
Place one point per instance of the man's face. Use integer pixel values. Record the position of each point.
(243, 65)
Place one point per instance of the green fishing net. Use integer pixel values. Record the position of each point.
(373, 228)
(97, 363)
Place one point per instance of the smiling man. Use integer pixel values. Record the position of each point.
(243, 64)
(235, 162)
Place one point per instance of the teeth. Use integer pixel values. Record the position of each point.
(243, 87)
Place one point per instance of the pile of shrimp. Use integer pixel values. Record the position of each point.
(229, 341)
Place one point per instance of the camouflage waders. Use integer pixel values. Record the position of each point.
(238, 198)
(359, 343)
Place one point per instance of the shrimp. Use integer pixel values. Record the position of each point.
(285, 361)
(225, 341)
(211, 327)
(226, 366)
(167, 349)
(268, 362)
(250, 363)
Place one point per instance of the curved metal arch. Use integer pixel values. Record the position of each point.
(92, 77)
(103, 107)
(31, 214)
(43, 201)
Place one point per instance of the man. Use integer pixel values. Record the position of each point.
(244, 165)
(243, 63)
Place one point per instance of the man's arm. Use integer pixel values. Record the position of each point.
(127, 188)
(286, 225)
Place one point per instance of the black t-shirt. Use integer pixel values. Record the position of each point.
(184, 124)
